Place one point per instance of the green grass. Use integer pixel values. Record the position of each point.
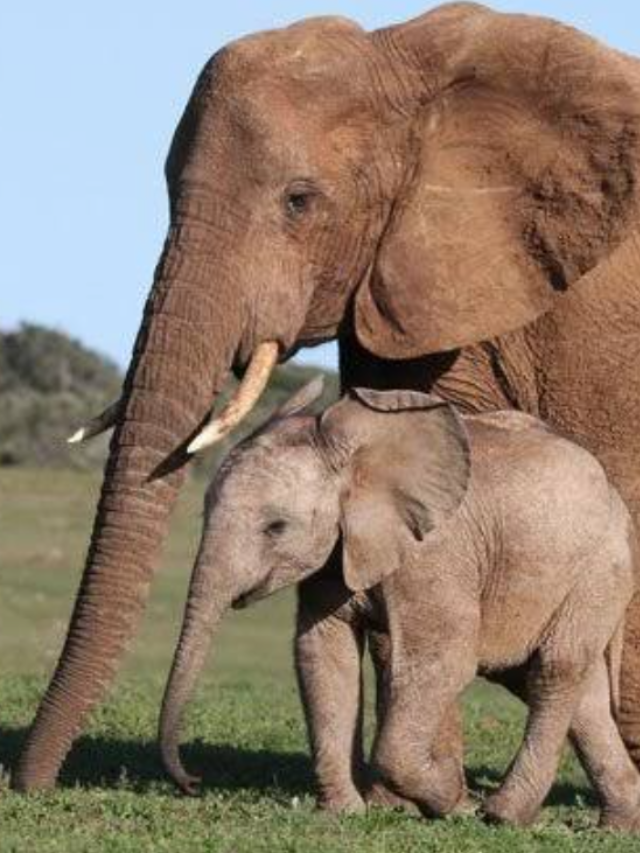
(245, 730)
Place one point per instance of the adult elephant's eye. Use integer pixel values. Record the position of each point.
(297, 203)
(299, 197)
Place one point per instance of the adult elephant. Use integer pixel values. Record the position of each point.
(454, 198)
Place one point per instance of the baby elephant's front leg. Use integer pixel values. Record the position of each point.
(406, 752)
(328, 654)
(448, 745)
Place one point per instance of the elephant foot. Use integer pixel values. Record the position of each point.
(381, 796)
(465, 807)
(630, 824)
(505, 808)
(621, 819)
(345, 802)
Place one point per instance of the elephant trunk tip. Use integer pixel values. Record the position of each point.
(26, 781)
(38, 765)
(170, 752)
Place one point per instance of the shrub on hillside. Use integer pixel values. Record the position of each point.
(50, 384)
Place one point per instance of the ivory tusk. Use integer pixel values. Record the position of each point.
(96, 425)
(246, 396)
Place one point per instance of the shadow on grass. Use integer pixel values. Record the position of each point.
(107, 762)
(561, 794)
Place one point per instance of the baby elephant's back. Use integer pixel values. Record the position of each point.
(551, 499)
(558, 532)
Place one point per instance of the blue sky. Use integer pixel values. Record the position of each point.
(89, 96)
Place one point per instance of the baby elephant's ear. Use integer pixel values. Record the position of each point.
(301, 399)
(409, 471)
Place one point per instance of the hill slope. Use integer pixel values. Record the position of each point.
(48, 383)
(51, 383)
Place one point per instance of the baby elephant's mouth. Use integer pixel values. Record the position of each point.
(240, 602)
(250, 597)
(276, 580)
(264, 588)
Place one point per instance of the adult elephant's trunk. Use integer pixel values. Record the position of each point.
(189, 334)
(204, 608)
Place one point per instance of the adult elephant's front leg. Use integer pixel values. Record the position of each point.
(328, 655)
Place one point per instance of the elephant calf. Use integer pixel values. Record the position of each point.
(486, 544)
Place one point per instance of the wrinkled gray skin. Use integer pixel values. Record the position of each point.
(518, 567)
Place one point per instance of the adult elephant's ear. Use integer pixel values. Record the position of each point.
(405, 458)
(525, 174)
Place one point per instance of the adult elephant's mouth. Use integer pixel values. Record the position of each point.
(255, 377)
(254, 382)
(242, 362)
(309, 343)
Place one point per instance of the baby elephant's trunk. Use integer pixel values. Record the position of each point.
(204, 609)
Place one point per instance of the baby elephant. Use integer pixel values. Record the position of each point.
(486, 545)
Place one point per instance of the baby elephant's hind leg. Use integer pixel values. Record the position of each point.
(552, 696)
(597, 741)
(558, 689)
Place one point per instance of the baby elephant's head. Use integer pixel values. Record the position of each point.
(379, 468)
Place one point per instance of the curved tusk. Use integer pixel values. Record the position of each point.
(96, 425)
(246, 396)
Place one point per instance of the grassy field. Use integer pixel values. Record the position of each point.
(245, 731)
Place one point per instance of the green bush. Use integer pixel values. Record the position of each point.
(50, 384)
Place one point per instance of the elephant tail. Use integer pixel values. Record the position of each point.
(613, 655)
(628, 709)
(628, 704)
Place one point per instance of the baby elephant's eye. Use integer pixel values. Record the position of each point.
(275, 528)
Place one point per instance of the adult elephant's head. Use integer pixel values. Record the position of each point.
(431, 184)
